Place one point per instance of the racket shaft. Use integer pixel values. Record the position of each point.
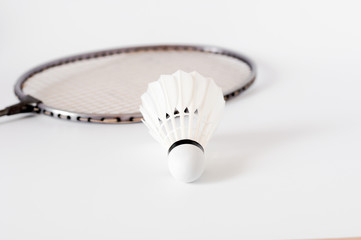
(25, 106)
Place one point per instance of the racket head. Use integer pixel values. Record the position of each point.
(58, 86)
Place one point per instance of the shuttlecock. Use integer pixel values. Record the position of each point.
(182, 111)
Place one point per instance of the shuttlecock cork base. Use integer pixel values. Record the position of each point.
(182, 111)
(186, 160)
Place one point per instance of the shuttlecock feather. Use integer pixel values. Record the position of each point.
(182, 111)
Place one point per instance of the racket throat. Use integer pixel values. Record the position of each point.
(28, 104)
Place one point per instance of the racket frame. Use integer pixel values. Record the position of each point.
(31, 104)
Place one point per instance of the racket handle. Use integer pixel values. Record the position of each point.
(27, 105)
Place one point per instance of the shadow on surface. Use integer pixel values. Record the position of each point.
(239, 152)
(11, 119)
(236, 150)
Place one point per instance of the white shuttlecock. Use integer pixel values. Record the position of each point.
(182, 111)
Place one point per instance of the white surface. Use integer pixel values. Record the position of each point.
(285, 162)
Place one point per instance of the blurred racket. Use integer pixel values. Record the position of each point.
(105, 86)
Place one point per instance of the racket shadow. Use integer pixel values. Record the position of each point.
(230, 156)
(12, 119)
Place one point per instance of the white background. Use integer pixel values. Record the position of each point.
(284, 164)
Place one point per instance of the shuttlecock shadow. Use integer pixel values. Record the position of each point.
(231, 155)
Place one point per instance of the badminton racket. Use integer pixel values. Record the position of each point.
(105, 86)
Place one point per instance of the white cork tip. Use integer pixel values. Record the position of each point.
(186, 162)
